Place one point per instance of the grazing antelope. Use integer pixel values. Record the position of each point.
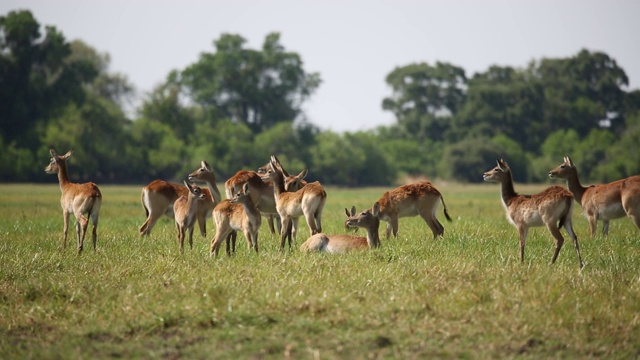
(78, 199)
(159, 195)
(236, 214)
(367, 219)
(185, 213)
(551, 208)
(419, 198)
(308, 201)
(602, 202)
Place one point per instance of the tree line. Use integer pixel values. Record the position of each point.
(234, 106)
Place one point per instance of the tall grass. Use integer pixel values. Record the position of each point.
(463, 296)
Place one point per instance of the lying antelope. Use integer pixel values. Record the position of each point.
(308, 201)
(602, 202)
(158, 198)
(367, 219)
(419, 198)
(551, 208)
(185, 213)
(78, 199)
(236, 214)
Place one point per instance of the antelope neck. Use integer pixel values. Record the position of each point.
(372, 235)
(508, 192)
(573, 183)
(63, 177)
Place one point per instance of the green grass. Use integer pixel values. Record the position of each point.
(463, 296)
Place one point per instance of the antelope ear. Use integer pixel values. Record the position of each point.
(186, 184)
(568, 161)
(66, 156)
(503, 165)
(353, 211)
(375, 210)
(303, 174)
(205, 165)
(245, 188)
(274, 159)
(52, 152)
(346, 212)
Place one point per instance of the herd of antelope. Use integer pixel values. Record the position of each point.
(283, 198)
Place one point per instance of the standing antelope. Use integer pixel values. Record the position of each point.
(551, 208)
(419, 198)
(236, 214)
(367, 219)
(602, 202)
(78, 199)
(262, 192)
(185, 213)
(158, 198)
(308, 201)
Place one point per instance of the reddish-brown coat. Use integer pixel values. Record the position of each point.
(604, 201)
(419, 198)
(551, 208)
(78, 199)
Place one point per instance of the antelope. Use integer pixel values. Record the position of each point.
(602, 202)
(236, 214)
(262, 192)
(308, 201)
(159, 195)
(185, 213)
(333, 244)
(78, 199)
(420, 198)
(551, 208)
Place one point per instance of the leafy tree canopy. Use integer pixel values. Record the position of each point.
(258, 88)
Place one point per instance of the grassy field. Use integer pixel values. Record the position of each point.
(463, 296)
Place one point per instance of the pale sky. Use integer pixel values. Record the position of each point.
(352, 44)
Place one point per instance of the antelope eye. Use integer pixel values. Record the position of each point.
(562, 166)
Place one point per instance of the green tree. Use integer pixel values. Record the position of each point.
(257, 88)
(582, 90)
(37, 78)
(163, 105)
(502, 101)
(160, 152)
(468, 159)
(594, 151)
(560, 143)
(424, 97)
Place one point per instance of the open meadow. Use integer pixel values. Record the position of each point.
(462, 296)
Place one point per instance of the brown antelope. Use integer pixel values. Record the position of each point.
(419, 198)
(308, 201)
(262, 192)
(158, 198)
(367, 219)
(236, 214)
(602, 202)
(185, 213)
(551, 208)
(78, 199)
